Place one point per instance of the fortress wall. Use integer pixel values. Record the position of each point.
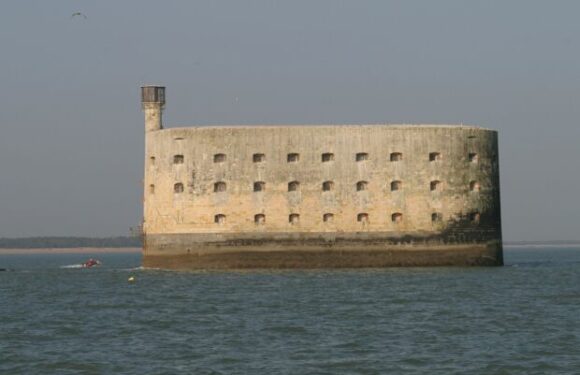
(193, 210)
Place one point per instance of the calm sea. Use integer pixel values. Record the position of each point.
(523, 318)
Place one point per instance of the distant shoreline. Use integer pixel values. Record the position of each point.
(72, 250)
(133, 250)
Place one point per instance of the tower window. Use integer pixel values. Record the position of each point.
(293, 186)
(361, 185)
(473, 157)
(152, 160)
(436, 217)
(293, 158)
(328, 218)
(328, 156)
(219, 219)
(474, 186)
(397, 217)
(396, 156)
(362, 218)
(219, 158)
(177, 159)
(434, 156)
(259, 186)
(178, 188)
(396, 185)
(151, 189)
(435, 185)
(219, 187)
(362, 156)
(260, 219)
(474, 217)
(327, 186)
(294, 219)
(258, 158)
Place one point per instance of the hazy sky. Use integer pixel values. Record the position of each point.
(71, 141)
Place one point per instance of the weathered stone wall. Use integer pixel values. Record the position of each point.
(462, 161)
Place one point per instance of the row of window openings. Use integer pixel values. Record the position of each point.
(221, 186)
(326, 157)
(396, 217)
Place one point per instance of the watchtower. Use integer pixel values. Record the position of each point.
(152, 103)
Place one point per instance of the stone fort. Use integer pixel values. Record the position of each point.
(318, 196)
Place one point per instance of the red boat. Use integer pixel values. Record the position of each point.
(91, 263)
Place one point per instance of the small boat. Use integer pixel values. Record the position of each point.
(91, 263)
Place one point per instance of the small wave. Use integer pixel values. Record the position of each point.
(72, 266)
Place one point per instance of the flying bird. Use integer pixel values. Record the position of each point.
(78, 14)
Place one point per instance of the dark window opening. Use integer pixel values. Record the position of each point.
(397, 217)
(361, 185)
(362, 156)
(434, 156)
(259, 186)
(258, 158)
(178, 188)
(219, 158)
(293, 186)
(362, 218)
(396, 156)
(219, 187)
(436, 217)
(152, 160)
(396, 185)
(151, 189)
(474, 186)
(435, 185)
(219, 219)
(177, 159)
(327, 157)
(293, 158)
(327, 186)
(259, 219)
(294, 219)
(473, 157)
(474, 217)
(328, 218)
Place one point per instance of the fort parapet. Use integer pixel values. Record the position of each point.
(318, 196)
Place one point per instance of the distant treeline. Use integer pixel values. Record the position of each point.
(68, 242)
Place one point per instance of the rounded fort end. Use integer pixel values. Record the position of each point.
(153, 94)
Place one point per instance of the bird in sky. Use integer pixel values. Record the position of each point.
(78, 14)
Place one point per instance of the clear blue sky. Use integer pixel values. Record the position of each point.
(71, 140)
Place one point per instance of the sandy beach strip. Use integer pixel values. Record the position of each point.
(72, 250)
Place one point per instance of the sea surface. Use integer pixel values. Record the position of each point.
(523, 318)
